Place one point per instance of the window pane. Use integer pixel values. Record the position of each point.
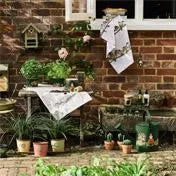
(79, 6)
(126, 4)
(159, 9)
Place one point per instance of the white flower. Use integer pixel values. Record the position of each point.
(86, 38)
(63, 53)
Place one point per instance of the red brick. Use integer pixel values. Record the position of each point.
(166, 57)
(56, 12)
(165, 42)
(151, 50)
(114, 79)
(168, 49)
(59, 4)
(156, 64)
(100, 71)
(149, 57)
(113, 93)
(131, 86)
(113, 101)
(113, 86)
(136, 42)
(166, 86)
(168, 34)
(149, 42)
(133, 34)
(166, 72)
(135, 49)
(133, 72)
(145, 79)
(150, 86)
(168, 64)
(132, 79)
(168, 79)
(149, 71)
(150, 34)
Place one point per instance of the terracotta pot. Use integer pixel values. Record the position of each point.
(58, 145)
(119, 143)
(109, 145)
(40, 148)
(126, 148)
(23, 146)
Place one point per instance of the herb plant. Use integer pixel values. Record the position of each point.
(31, 69)
(58, 70)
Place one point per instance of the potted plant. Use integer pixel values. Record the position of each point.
(58, 130)
(109, 142)
(120, 140)
(127, 146)
(40, 136)
(22, 128)
(31, 70)
(58, 71)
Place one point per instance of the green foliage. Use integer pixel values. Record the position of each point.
(99, 167)
(58, 70)
(121, 137)
(31, 69)
(127, 142)
(81, 26)
(21, 127)
(59, 128)
(109, 137)
(87, 67)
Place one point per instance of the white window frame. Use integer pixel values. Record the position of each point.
(138, 23)
(91, 11)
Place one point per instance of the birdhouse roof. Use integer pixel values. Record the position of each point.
(34, 26)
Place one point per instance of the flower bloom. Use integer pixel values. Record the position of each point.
(63, 53)
(86, 38)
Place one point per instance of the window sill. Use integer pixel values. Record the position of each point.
(148, 24)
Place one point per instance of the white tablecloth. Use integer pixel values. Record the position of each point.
(60, 104)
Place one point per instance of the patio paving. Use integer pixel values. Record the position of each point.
(17, 165)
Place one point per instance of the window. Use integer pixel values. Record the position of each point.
(126, 4)
(162, 9)
(141, 14)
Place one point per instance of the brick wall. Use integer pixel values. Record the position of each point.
(157, 49)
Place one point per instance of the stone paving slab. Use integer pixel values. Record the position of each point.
(14, 166)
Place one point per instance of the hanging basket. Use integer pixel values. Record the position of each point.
(147, 136)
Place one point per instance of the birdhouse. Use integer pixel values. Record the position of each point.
(4, 77)
(31, 36)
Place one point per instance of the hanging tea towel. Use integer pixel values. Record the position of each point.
(118, 51)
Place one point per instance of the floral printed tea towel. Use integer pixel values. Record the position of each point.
(118, 51)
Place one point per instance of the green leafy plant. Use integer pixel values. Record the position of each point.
(98, 167)
(87, 67)
(58, 70)
(127, 142)
(58, 129)
(121, 137)
(31, 69)
(109, 137)
(21, 127)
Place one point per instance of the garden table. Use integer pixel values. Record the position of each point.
(29, 94)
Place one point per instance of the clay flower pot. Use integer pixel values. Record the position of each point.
(109, 145)
(23, 146)
(119, 143)
(58, 145)
(126, 148)
(40, 148)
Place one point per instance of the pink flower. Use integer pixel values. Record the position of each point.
(63, 53)
(86, 38)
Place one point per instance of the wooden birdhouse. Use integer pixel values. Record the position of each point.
(31, 36)
(4, 77)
